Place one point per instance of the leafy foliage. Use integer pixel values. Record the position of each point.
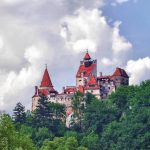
(10, 138)
(69, 143)
(122, 122)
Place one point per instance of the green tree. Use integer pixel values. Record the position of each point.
(89, 98)
(19, 114)
(49, 115)
(42, 115)
(91, 141)
(62, 143)
(97, 115)
(78, 105)
(41, 135)
(132, 130)
(10, 138)
(121, 96)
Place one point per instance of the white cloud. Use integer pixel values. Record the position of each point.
(13, 83)
(1, 43)
(11, 1)
(109, 62)
(83, 30)
(119, 43)
(139, 70)
(89, 29)
(53, 32)
(29, 38)
(121, 1)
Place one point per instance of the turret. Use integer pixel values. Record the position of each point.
(120, 77)
(87, 60)
(87, 68)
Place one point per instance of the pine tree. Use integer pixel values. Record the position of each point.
(42, 115)
(48, 115)
(19, 113)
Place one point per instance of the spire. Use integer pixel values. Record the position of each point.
(87, 56)
(46, 81)
(46, 66)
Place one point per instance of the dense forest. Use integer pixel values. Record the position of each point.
(122, 122)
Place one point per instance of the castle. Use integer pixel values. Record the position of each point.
(87, 80)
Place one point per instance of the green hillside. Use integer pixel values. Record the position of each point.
(122, 122)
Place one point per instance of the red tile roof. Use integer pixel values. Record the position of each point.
(44, 92)
(87, 56)
(70, 90)
(46, 81)
(92, 84)
(92, 81)
(85, 70)
(120, 72)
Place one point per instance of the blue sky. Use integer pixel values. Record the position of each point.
(57, 33)
(135, 24)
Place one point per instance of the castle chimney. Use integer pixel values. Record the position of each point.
(36, 90)
(63, 89)
(101, 74)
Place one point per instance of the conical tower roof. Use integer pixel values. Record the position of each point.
(46, 81)
(87, 56)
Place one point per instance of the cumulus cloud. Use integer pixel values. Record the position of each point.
(81, 28)
(13, 83)
(109, 62)
(139, 70)
(124, 1)
(1, 43)
(89, 29)
(9, 1)
(121, 1)
(30, 38)
(119, 43)
(35, 32)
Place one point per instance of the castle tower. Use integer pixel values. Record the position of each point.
(120, 77)
(46, 89)
(87, 68)
(35, 98)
